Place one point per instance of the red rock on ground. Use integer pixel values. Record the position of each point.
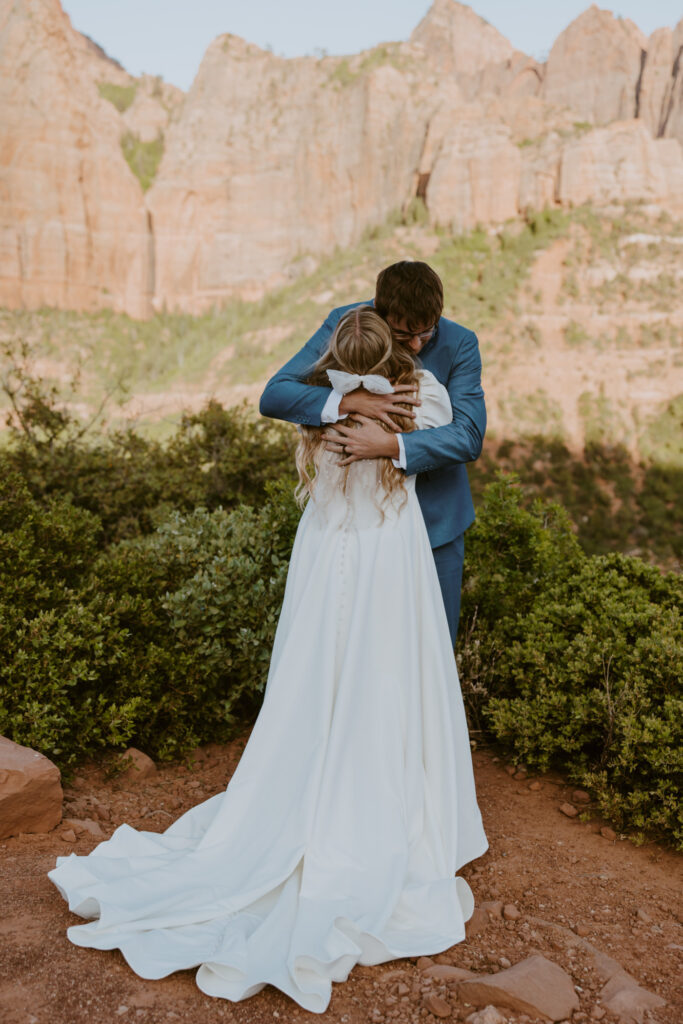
(436, 1005)
(141, 766)
(85, 825)
(477, 923)
(623, 996)
(30, 790)
(489, 1015)
(442, 972)
(533, 986)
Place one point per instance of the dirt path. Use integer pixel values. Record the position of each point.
(564, 877)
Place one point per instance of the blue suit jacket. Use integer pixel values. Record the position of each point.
(437, 454)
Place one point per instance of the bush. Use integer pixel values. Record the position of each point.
(218, 457)
(572, 661)
(120, 95)
(143, 158)
(136, 606)
(165, 640)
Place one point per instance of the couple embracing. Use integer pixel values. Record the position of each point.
(340, 834)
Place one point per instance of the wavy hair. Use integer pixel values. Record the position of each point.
(361, 343)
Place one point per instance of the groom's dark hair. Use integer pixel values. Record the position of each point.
(409, 290)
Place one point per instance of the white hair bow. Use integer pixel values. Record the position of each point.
(343, 382)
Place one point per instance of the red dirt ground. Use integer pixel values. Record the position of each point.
(561, 873)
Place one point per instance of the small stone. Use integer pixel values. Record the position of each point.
(608, 833)
(494, 908)
(504, 962)
(580, 796)
(68, 835)
(510, 912)
(582, 930)
(489, 1015)
(510, 769)
(519, 775)
(597, 1013)
(477, 923)
(436, 1005)
(535, 785)
(569, 810)
(141, 766)
(393, 975)
(423, 962)
(85, 826)
(121, 1010)
(403, 989)
(643, 916)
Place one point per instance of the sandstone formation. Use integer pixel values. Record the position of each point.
(456, 39)
(476, 176)
(73, 225)
(155, 103)
(595, 65)
(258, 171)
(30, 790)
(604, 69)
(269, 164)
(620, 161)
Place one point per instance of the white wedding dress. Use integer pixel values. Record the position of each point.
(339, 835)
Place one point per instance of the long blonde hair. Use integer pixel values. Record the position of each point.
(361, 343)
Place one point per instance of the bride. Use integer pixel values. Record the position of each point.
(338, 838)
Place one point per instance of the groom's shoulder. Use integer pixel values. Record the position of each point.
(338, 312)
(456, 334)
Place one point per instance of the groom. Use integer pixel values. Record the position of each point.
(409, 296)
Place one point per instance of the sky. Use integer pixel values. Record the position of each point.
(169, 37)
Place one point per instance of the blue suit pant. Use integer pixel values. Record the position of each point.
(449, 560)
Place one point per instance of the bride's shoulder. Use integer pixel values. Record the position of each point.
(426, 377)
(435, 409)
(428, 383)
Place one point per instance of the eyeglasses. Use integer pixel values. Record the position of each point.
(424, 337)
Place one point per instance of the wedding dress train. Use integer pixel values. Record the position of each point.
(338, 837)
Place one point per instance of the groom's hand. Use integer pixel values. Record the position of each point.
(367, 441)
(379, 407)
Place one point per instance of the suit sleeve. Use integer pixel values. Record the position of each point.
(462, 439)
(286, 395)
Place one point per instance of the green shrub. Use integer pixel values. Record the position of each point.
(45, 552)
(614, 503)
(135, 607)
(120, 95)
(143, 158)
(217, 457)
(165, 640)
(572, 661)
